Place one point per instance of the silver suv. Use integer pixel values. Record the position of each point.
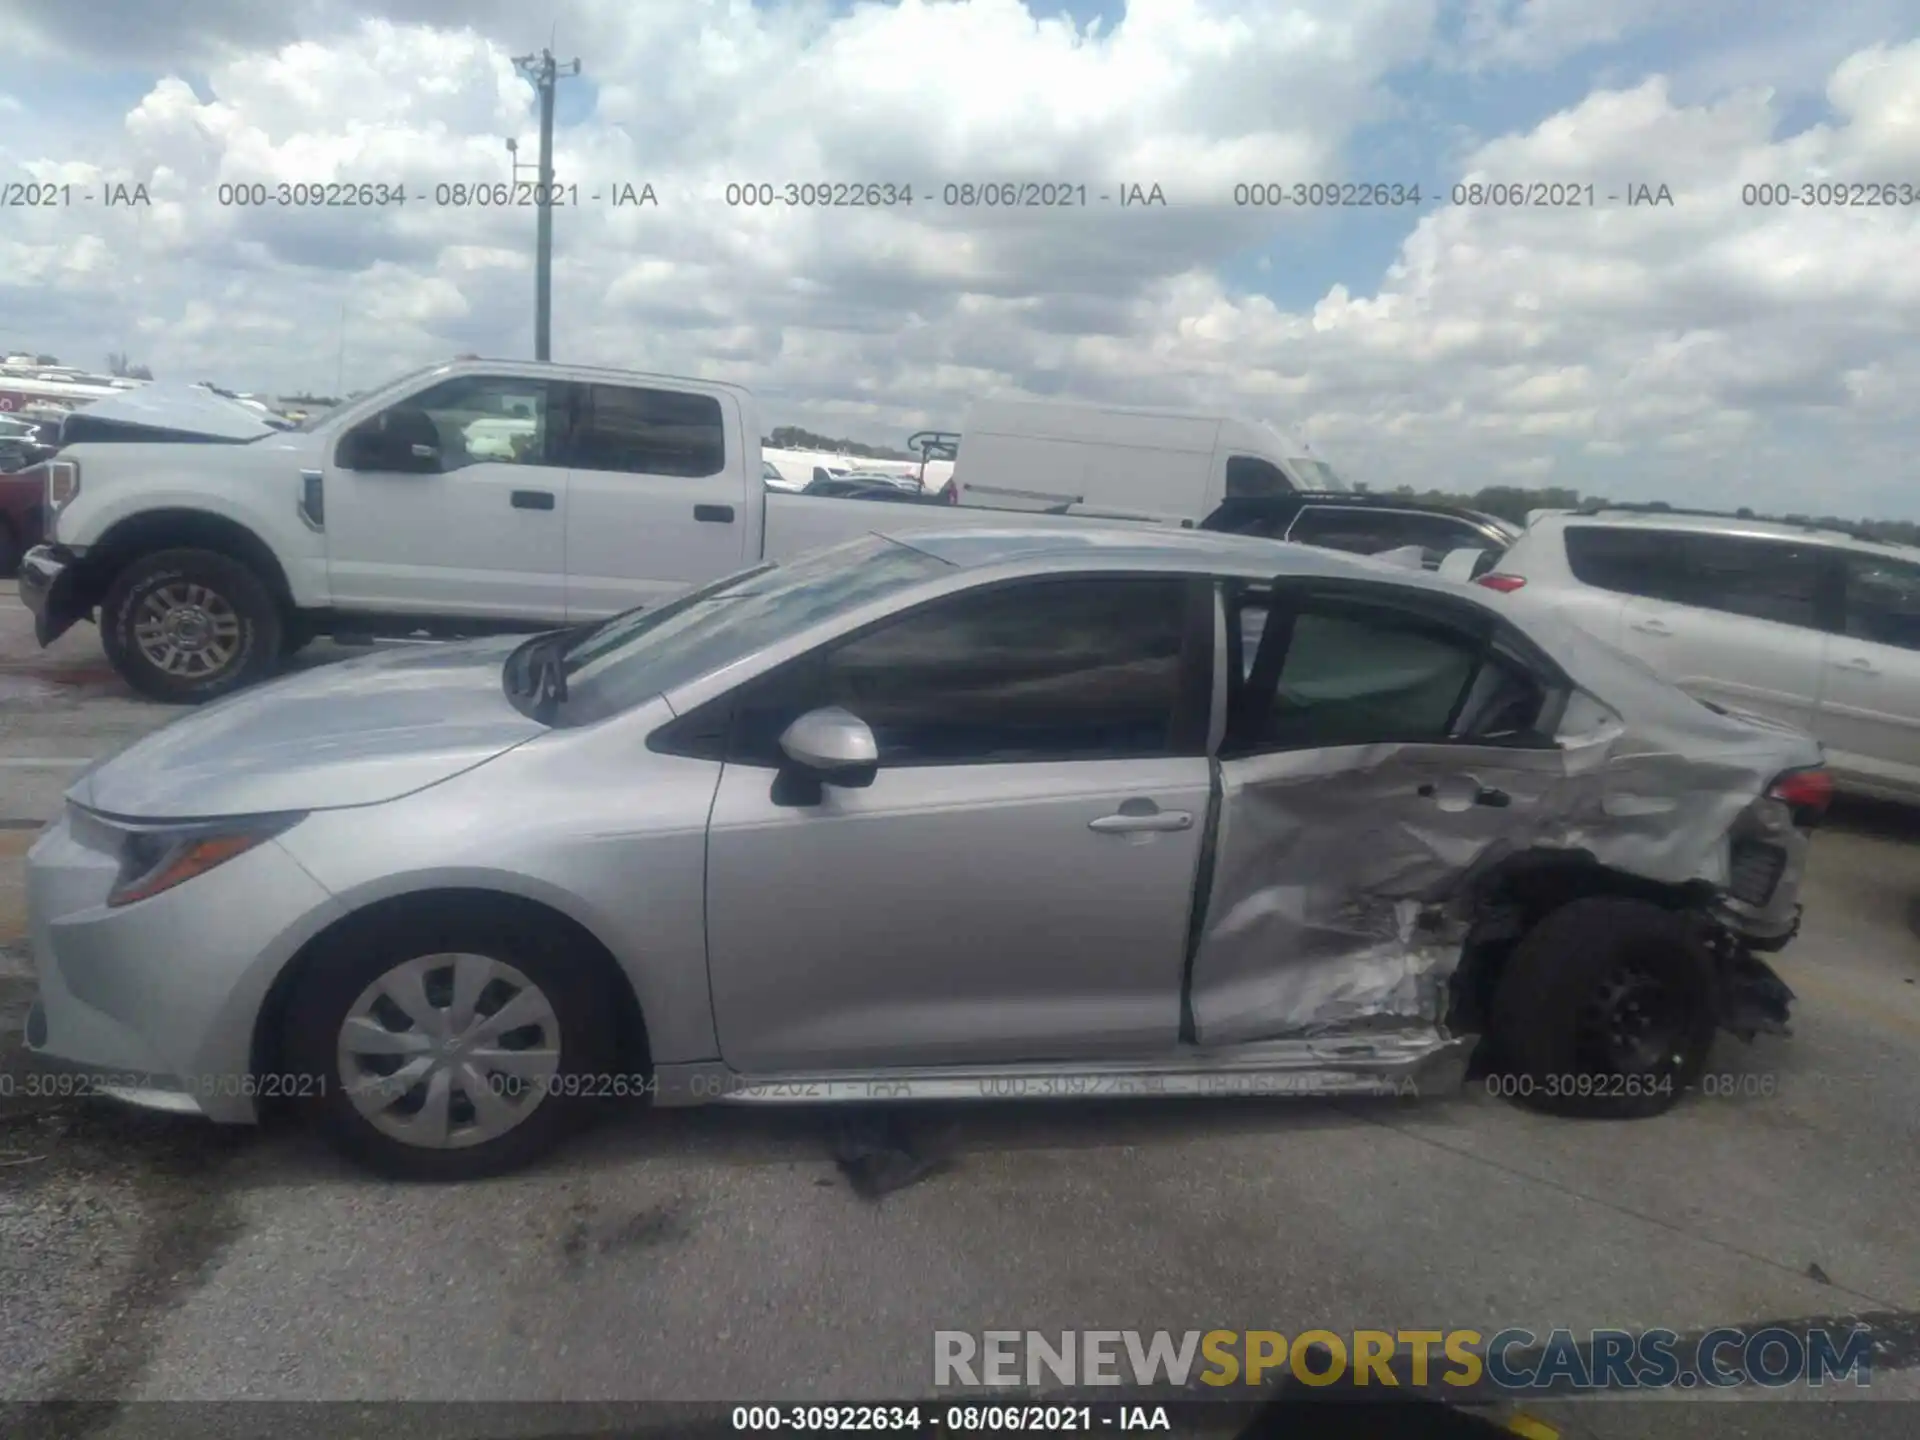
(1819, 628)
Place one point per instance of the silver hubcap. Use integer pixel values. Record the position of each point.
(187, 630)
(446, 1051)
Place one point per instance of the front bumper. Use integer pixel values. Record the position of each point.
(50, 588)
(155, 1003)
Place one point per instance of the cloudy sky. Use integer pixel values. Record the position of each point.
(1706, 351)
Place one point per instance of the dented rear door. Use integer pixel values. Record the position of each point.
(1381, 747)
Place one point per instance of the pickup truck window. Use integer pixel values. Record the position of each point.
(648, 432)
(480, 419)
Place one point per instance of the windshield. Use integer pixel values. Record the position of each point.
(643, 653)
(1317, 474)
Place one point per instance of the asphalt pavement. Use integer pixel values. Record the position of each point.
(722, 1254)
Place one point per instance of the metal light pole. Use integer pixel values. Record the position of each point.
(544, 71)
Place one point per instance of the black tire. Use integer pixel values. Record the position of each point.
(10, 551)
(336, 976)
(1588, 974)
(235, 588)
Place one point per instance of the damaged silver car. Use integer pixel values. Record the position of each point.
(967, 814)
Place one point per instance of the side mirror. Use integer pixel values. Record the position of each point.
(833, 746)
(368, 447)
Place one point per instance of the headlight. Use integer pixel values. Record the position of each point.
(155, 858)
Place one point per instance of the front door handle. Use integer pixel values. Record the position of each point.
(1860, 662)
(1651, 627)
(1158, 820)
(533, 499)
(713, 514)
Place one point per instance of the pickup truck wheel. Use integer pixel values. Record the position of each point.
(187, 626)
(1605, 1010)
(449, 1047)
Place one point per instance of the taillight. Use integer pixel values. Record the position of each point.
(1807, 792)
(1505, 584)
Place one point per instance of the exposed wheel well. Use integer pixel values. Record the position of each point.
(1516, 895)
(153, 530)
(630, 1026)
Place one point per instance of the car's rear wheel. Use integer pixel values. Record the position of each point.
(187, 626)
(10, 551)
(1605, 1009)
(448, 1048)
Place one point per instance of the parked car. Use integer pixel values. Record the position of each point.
(1041, 455)
(1818, 628)
(21, 498)
(1033, 811)
(1368, 524)
(867, 487)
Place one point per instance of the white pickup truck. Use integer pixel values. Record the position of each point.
(463, 499)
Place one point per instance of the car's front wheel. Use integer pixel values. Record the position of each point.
(448, 1048)
(186, 626)
(1605, 1009)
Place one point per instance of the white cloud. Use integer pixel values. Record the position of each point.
(1709, 351)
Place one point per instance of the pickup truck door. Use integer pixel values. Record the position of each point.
(1016, 882)
(657, 499)
(455, 505)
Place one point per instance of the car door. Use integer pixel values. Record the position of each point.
(452, 502)
(1869, 713)
(1016, 883)
(1737, 622)
(1383, 743)
(653, 506)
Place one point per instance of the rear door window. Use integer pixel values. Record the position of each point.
(632, 431)
(1336, 671)
(1777, 580)
(1773, 580)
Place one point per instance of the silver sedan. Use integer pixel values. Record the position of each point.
(968, 814)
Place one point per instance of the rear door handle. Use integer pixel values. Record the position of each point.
(714, 514)
(1124, 824)
(533, 499)
(1485, 795)
(1860, 662)
(1650, 627)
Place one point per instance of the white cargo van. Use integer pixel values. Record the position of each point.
(1051, 455)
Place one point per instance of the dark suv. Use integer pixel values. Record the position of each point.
(1364, 524)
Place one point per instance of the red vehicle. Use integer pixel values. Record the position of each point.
(22, 499)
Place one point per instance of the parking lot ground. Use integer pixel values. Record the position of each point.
(720, 1254)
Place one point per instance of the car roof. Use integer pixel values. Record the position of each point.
(1196, 551)
(1754, 529)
